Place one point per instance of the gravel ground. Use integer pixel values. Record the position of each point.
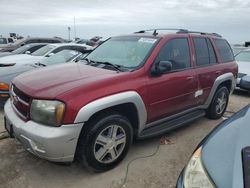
(20, 169)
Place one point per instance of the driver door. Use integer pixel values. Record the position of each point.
(174, 91)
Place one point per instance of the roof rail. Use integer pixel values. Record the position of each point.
(178, 31)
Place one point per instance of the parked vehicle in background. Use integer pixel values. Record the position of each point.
(243, 61)
(238, 49)
(222, 158)
(6, 40)
(8, 73)
(40, 54)
(22, 42)
(26, 49)
(132, 86)
(94, 42)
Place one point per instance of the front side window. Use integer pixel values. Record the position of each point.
(3, 41)
(127, 51)
(225, 50)
(177, 52)
(10, 40)
(44, 50)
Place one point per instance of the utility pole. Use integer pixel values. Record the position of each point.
(75, 27)
(69, 31)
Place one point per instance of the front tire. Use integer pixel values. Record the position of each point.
(219, 104)
(104, 142)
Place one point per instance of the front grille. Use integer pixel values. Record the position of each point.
(240, 75)
(20, 102)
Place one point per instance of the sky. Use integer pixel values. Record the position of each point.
(106, 18)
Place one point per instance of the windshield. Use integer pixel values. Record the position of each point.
(127, 52)
(3, 41)
(21, 50)
(44, 50)
(61, 57)
(243, 56)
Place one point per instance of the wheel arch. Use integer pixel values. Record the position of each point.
(226, 80)
(129, 104)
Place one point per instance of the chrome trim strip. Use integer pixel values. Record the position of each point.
(18, 98)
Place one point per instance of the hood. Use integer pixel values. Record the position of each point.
(221, 152)
(2, 54)
(20, 59)
(8, 73)
(52, 81)
(244, 67)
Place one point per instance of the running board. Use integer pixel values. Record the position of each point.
(171, 124)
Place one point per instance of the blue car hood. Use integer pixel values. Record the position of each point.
(221, 154)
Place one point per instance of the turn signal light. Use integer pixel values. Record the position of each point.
(4, 86)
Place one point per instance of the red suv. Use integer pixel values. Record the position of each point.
(133, 86)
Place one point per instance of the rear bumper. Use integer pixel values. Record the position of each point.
(51, 143)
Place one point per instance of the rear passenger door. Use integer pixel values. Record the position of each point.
(173, 91)
(207, 67)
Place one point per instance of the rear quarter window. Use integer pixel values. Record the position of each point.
(225, 50)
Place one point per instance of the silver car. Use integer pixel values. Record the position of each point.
(243, 61)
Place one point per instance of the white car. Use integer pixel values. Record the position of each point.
(41, 54)
(243, 61)
(6, 40)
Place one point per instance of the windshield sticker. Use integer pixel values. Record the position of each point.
(147, 40)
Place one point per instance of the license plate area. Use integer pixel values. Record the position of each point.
(8, 126)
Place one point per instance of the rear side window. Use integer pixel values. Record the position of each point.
(225, 50)
(177, 52)
(204, 52)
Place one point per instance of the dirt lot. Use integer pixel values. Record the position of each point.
(20, 169)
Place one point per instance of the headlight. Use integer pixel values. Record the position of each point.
(195, 175)
(4, 86)
(47, 112)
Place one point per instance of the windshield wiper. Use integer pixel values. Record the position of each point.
(40, 64)
(117, 67)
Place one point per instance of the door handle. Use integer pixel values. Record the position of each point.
(190, 78)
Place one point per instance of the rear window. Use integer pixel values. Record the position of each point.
(225, 50)
(204, 52)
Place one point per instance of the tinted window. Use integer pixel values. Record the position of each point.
(34, 48)
(204, 52)
(225, 50)
(177, 52)
(212, 56)
(10, 40)
(3, 41)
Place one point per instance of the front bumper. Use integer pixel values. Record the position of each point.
(56, 144)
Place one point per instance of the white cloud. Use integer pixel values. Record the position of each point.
(226, 16)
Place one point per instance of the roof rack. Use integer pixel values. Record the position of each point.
(178, 31)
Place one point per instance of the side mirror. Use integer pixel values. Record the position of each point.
(51, 54)
(28, 52)
(161, 67)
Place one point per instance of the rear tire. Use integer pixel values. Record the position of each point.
(219, 103)
(104, 142)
